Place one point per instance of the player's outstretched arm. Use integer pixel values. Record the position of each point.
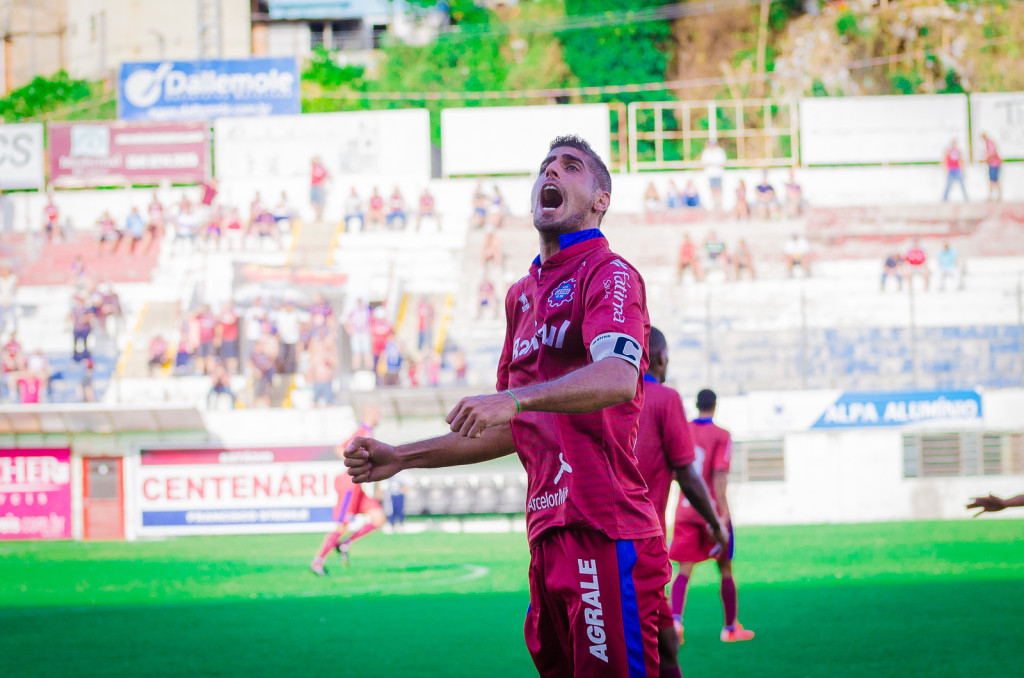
(370, 460)
(598, 385)
(992, 503)
(696, 492)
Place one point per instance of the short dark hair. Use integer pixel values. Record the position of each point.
(706, 399)
(657, 343)
(601, 174)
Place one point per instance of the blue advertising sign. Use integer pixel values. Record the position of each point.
(900, 408)
(166, 91)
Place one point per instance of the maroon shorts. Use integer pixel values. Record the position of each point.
(594, 605)
(353, 502)
(692, 543)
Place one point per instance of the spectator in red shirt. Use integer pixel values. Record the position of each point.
(318, 178)
(396, 209)
(51, 215)
(425, 316)
(157, 353)
(995, 164)
(206, 353)
(688, 259)
(375, 214)
(953, 162)
(426, 209)
(226, 337)
(917, 264)
(108, 231)
(380, 330)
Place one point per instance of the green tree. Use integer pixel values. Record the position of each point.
(43, 95)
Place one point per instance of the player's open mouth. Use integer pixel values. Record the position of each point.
(550, 198)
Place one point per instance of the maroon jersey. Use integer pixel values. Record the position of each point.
(713, 448)
(584, 304)
(663, 442)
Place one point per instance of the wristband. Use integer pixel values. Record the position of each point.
(519, 406)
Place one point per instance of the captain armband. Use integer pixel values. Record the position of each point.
(617, 345)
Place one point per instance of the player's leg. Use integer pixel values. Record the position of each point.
(329, 543)
(668, 644)
(691, 544)
(732, 631)
(372, 509)
(678, 596)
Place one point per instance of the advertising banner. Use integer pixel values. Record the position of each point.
(235, 491)
(1000, 115)
(35, 494)
(364, 143)
(514, 139)
(22, 160)
(881, 130)
(116, 153)
(900, 408)
(203, 90)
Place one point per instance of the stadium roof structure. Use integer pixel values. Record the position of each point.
(103, 419)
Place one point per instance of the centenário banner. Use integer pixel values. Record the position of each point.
(212, 88)
(35, 494)
(117, 153)
(237, 491)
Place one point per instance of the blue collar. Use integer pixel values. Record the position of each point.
(569, 239)
(702, 420)
(651, 379)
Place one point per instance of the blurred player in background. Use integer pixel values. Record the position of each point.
(352, 501)
(691, 542)
(992, 503)
(569, 401)
(664, 449)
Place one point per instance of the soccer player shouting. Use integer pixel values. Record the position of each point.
(664, 448)
(569, 397)
(691, 543)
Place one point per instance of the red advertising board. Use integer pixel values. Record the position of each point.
(117, 153)
(35, 494)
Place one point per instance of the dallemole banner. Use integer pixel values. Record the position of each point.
(237, 490)
(116, 153)
(35, 494)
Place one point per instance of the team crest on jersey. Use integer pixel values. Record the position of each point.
(524, 302)
(562, 293)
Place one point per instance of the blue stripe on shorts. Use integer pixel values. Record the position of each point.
(626, 552)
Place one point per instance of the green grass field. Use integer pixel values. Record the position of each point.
(901, 599)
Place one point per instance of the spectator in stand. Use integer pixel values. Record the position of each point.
(433, 369)
(917, 264)
(652, 201)
(713, 159)
(954, 164)
(88, 392)
(427, 209)
(375, 215)
(214, 228)
(497, 210)
(108, 231)
(226, 337)
(320, 307)
(206, 350)
(323, 364)
(396, 210)
(134, 226)
(30, 385)
(155, 225)
(995, 164)
(742, 260)
(233, 228)
(252, 321)
(357, 326)
(109, 308)
(794, 196)
(491, 251)
(460, 366)
(487, 300)
(479, 206)
(767, 204)
(188, 339)
(81, 318)
(673, 198)
(688, 259)
(186, 226)
(950, 267)
(690, 197)
(425, 318)
(283, 210)
(266, 228)
(318, 181)
(742, 208)
(714, 252)
(288, 320)
(157, 354)
(8, 294)
(354, 211)
(893, 268)
(13, 364)
(77, 272)
(255, 210)
(380, 330)
(220, 385)
(51, 219)
(262, 362)
(797, 251)
(389, 368)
